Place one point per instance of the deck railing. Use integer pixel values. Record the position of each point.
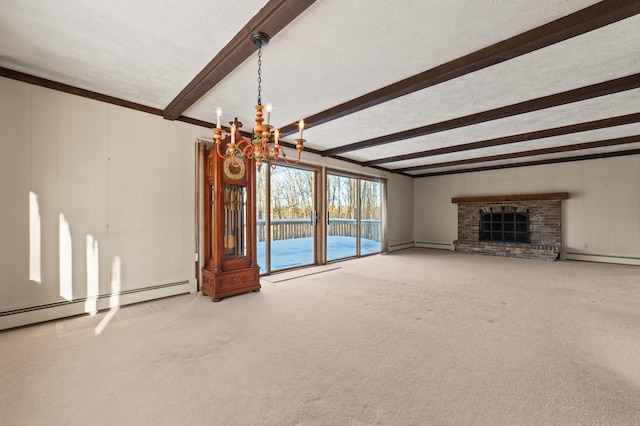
(287, 229)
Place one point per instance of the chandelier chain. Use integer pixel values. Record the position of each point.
(260, 75)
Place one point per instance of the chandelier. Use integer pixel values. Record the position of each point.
(265, 144)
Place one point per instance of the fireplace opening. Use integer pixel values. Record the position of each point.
(507, 226)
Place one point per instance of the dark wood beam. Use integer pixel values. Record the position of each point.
(575, 95)
(535, 163)
(542, 151)
(273, 17)
(521, 137)
(593, 17)
(512, 197)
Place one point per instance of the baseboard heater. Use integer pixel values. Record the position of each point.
(401, 246)
(603, 258)
(66, 308)
(439, 246)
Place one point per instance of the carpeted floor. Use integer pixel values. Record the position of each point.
(418, 337)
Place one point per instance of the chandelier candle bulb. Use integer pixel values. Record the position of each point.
(268, 114)
(276, 136)
(218, 115)
(301, 127)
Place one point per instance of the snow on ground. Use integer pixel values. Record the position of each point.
(299, 251)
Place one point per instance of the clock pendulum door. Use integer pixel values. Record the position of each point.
(234, 220)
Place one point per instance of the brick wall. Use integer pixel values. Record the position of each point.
(545, 229)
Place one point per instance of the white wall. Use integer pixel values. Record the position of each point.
(600, 220)
(400, 211)
(96, 199)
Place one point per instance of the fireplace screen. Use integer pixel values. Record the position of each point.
(509, 226)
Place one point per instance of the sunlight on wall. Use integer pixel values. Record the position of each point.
(90, 305)
(65, 261)
(114, 300)
(34, 239)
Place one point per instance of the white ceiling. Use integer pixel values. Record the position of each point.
(147, 51)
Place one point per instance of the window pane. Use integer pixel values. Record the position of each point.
(292, 227)
(341, 207)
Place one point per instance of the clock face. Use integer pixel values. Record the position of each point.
(234, 168)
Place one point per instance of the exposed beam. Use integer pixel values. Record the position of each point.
(273, 17)
(588, 19)
(575, 95)
(521, 137)
(542, 151)
(535, 163)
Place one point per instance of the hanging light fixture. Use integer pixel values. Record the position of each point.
(265, 144)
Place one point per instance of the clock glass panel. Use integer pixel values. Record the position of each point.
(235, 219)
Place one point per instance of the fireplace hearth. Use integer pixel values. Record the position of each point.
(524, 225)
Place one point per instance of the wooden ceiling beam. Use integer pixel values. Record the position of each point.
(535, 163)
(583, 93)
(273, 17)
(521, 137)
(588, 19)
(542, 151)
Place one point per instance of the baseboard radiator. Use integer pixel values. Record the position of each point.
(434, 245)
(602, 258)
(401, 246)
(66, 308)
(421, 244)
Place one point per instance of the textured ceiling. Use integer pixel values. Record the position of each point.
(336, 51)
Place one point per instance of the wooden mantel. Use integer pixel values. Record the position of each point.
(514, 197)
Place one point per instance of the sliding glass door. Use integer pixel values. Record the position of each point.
(287, 234)
(342, 228)
(353, 216)
(293, 219)
(288, 231)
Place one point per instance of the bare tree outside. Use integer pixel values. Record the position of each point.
(291, 193)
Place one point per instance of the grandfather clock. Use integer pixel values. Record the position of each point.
(231, 265)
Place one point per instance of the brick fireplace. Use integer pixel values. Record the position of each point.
(524, 225)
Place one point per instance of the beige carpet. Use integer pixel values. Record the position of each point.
(418, 337)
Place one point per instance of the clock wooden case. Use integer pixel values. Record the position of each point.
(230, 265)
